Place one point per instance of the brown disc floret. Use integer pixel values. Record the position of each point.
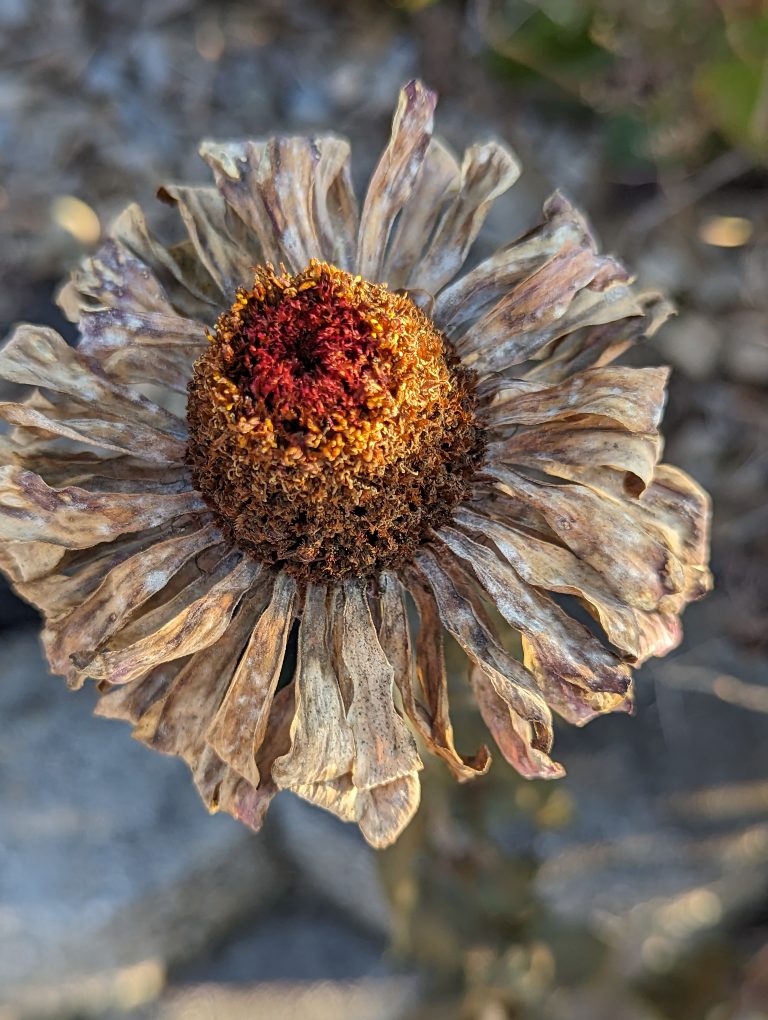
(330, 426)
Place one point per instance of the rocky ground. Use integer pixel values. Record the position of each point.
(645, 871)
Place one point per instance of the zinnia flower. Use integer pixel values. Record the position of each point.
(375, 449)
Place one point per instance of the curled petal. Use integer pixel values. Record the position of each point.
(560, 646)
(238, 729)
(464, 619)
(565, 451)
(576, 289)
(122, 592)
(284, 190)
(436, 184)
(384, 748)
(429, 716)
(637, 633)
(176, 716)
(36, 356)
(511, 733)
(131, 701)
(223, 245)
(198, 626)
(487, 172)
(322, 746)
(395, 177)
(632, 397)
(28, 561)
(32, 511)
(634, 558)
(141, 441)
(603, 343)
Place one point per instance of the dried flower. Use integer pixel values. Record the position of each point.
(361, 423)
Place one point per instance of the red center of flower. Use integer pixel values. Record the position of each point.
(330, 426)
(308, 356)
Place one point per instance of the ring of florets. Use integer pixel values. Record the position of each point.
(330, 426)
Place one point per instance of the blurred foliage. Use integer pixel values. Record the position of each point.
(672, 81)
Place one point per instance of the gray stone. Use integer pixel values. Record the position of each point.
(110, 867)
(668, 839)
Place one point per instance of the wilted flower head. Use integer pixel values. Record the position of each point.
(375, 450)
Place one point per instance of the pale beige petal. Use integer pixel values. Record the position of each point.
(633, 397)
(511, 733)
(238, 729)
(192, 582)
(384, 747)
(245, 802)
(607, 534)
(384, 811)
(381, 812)
(681, 510)
(113, 275)
(636, 633)
(463, 618)
(576, 289)
(436, 184)
(32, 511)
(28, 561)
(37, 356)
(120, 595)
(285, 190)
(431, 718)
(80, 572)
(227, 250)
(565, 450)
(322, 744)
(487, 171)
(133, 700)
(190, 288)
(395, 177)
(178, 716)
(121, 436)
(604, 343)
(464, 300)
(198, 626)
(560, 646)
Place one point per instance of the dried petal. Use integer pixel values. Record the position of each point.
(395, 177)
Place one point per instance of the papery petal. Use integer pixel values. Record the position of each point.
(395, 176)
(28, 561)
(487, 171)
(511, 733)
(36, 356)
(140, 440)
(632, 397)
(464, 619)
(427, 710)
(286, 191)
(564, 450)
(608, 535)
(542, 564)
(576, 289)
(198, 626)
(178, 716)
(122, 592)
(32, 511)
(603, 343)
(560, 645)
(435, 185)
(322, 745)
(384, 748)
(238, 728)
(226, 249)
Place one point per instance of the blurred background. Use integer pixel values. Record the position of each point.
(637, 887)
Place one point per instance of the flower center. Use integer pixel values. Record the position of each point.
(330, 425)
